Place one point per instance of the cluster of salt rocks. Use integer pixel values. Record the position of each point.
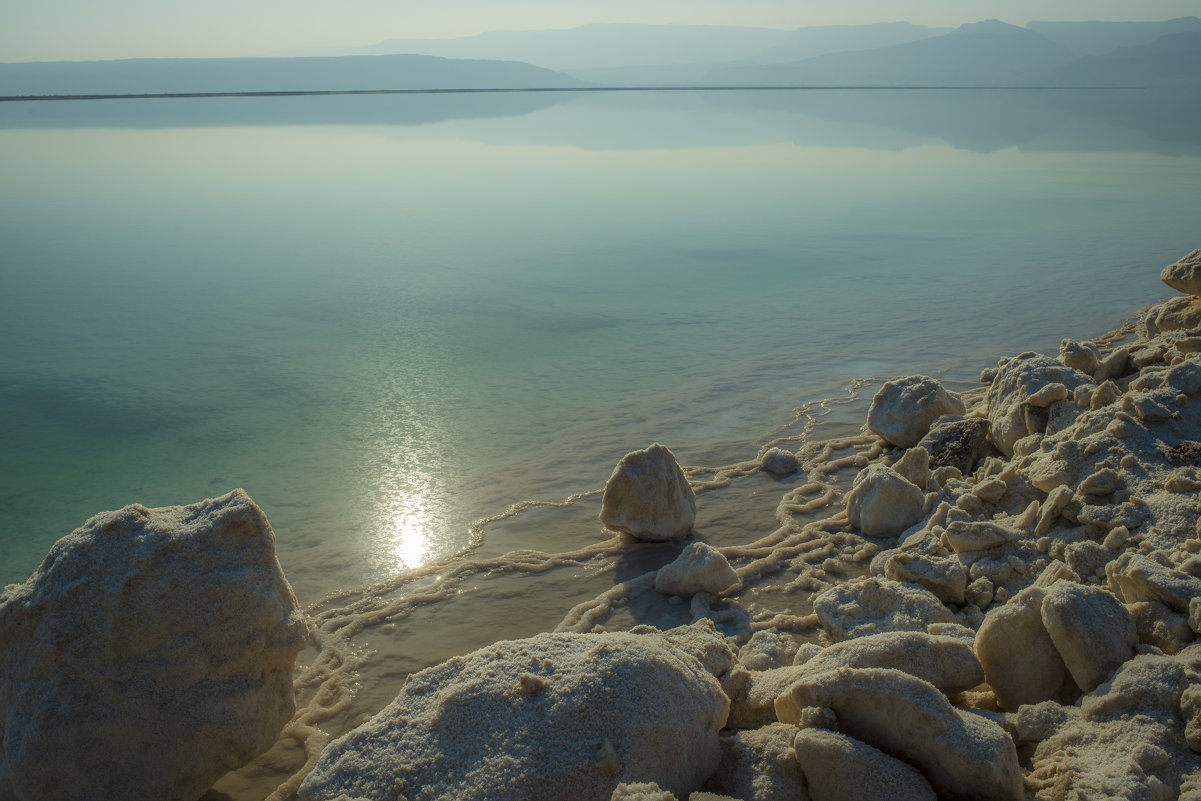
(1055, 524)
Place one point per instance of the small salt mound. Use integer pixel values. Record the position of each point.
(698, 568)
(840, 768)
(557, 717)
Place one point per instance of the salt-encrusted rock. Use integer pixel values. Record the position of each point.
(882, 503)
(957, 442)
(902, 411)
(759, 765)
(840, 768)
(1177, 314)
(1148, 684)
(1185, 275)
(1082, 356)
(557, 717)
(648, 497)
(914, 466)
(766, 650)
(962, 755)
(1021, 662)
(1125, 743)
(874, 605)
(948, 663)
(977, 535)
(1184, 377)
(1194, 614)
(699, 568)
(642, 791)
(753, 694)
(1010, 413)
(1091, 630)
(700, 640)
(150, 653)
(1156, 624)
(1134, 577)
(943, 576)
(1113, 366)
(780, 462)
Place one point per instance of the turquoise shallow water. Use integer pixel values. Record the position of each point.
(386, 317)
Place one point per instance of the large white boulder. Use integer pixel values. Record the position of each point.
(151, 653)
(882, 503)
(902, 411)
(557, 717)
(649, 497)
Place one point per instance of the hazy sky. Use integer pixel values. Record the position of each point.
(47, 30)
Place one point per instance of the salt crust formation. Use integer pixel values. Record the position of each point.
(151, 653)
(648, 497)
(557, 717)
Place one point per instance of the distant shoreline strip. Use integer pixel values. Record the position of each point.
(558, 89)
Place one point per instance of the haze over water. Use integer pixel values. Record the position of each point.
(386, 317)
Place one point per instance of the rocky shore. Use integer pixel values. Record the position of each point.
(987, 594)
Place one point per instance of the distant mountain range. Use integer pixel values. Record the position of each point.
(989, 53)
(203, 75)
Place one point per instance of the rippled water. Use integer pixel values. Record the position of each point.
(386, 317)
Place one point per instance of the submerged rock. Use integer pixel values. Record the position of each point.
(557, 717)
(151, 653)
(780, 462)
(648, 497)
(902, 411)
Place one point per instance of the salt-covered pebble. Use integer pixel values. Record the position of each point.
(881, 503)
(977, 536)
(943, 576)
(780, 462)
(903, 409)
(1133, 577)
(648, 497)
(641, 791)
(699, 568)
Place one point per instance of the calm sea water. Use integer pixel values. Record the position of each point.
(386, 317)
